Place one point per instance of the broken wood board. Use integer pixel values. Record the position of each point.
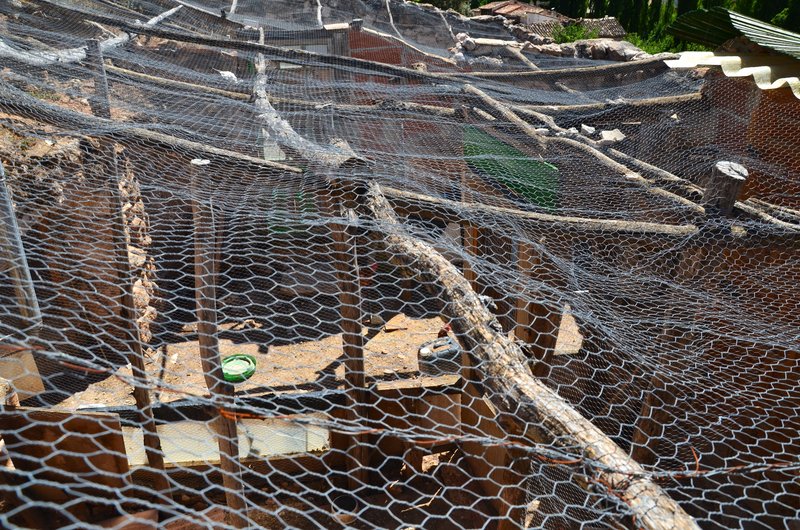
(20, 370)
(82, 453)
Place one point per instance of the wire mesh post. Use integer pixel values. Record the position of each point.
(723, 187)
(205, 271)
(346, 262)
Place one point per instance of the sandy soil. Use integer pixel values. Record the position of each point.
(390, 353)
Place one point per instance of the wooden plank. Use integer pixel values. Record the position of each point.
(471, 237)
(20, 371)
(537, 323)
(492, 464)
(84, 453)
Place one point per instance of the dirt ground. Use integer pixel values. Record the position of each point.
(390, 353)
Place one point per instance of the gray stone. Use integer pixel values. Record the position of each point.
(611, 137)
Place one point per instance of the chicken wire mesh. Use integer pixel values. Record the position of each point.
(261, 272)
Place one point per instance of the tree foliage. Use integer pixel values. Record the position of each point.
(649, 18)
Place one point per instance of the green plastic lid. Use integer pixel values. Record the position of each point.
(238, 368)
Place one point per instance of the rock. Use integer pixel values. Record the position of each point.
(136, 256)
(141, 298)
(489, 63)
(487, 18)
(611, 137)
(545, 49)
(624, 51)
(539, 39)
(587, 130)
(567, 50)
(469, 44)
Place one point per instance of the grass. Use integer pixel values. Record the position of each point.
(572, 33)
(44, 94)
(666, 43)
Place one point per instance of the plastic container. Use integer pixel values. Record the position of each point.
(239, 367)
(440, 356)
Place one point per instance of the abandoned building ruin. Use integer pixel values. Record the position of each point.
(368, 264)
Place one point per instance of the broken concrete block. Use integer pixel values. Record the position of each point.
(611, 137)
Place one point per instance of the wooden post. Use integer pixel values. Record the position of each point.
(723, 187)
(107, 160)
(537, 323)
(346, 263)
(15, 263)
(205, 270)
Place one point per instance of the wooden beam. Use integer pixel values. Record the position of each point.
(537, 322)
(654, 65)
(205, 271)
(646, 103)
(346, 263)
(105, 158)
(723, 187)
(499, 472)
(243, 92)
(541, 414)
(455, 211)
(578, 142)
(503, 111)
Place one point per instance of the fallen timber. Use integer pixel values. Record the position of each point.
(16, 102)
(575, 223)
(73, 55)
(545, 416)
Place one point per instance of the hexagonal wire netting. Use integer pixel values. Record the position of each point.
(291, 265)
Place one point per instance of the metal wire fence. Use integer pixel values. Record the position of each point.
(262, 264)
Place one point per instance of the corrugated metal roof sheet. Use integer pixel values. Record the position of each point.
(714, 26)
(767, 71)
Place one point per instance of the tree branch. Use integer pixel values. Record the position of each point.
(547, 418)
